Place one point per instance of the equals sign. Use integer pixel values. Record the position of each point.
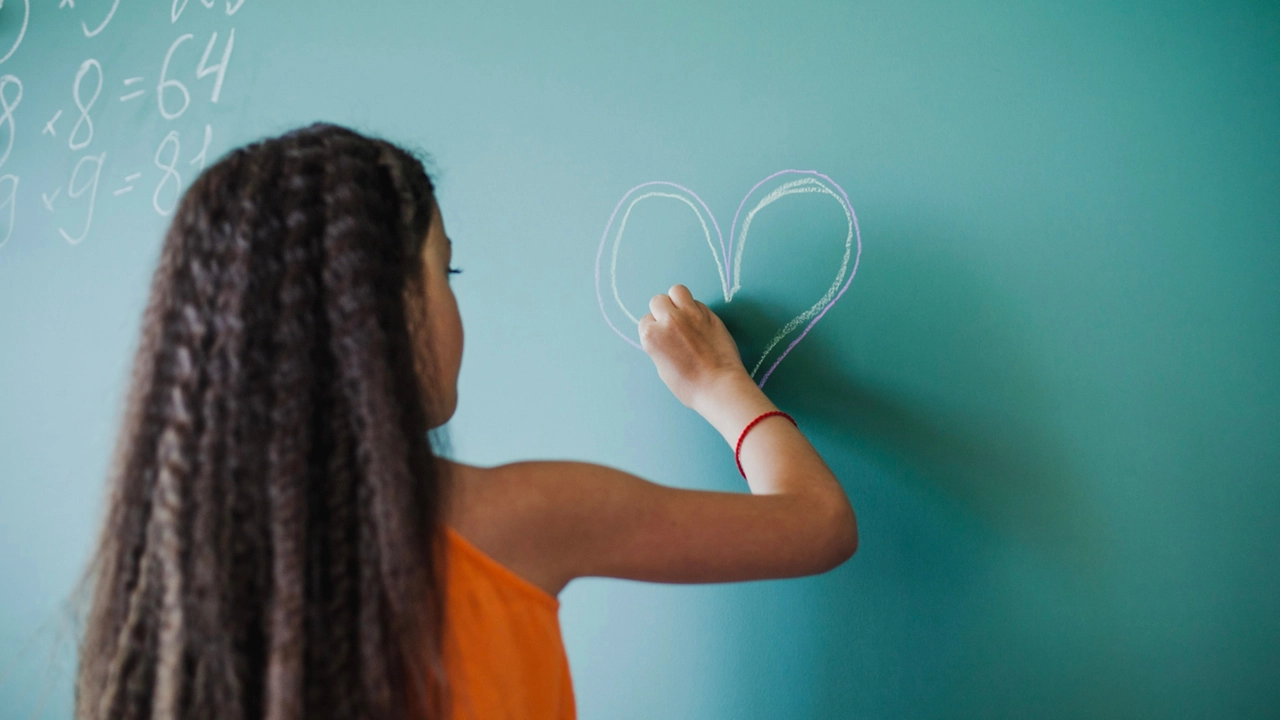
(127, 188)
(135, 93)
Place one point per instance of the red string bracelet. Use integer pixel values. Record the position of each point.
(737, 450)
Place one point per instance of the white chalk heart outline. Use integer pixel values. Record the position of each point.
(808, 181)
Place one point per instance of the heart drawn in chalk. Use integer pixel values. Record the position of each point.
(728, 258)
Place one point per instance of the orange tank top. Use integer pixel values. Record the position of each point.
(503, 652)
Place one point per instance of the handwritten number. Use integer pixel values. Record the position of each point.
(84, 120)
(11, 204)
(8, 106)
(180, 5)
(26, 15)
(221, 67)
(102, 26)
(170, 172)
(167, 84)
(90, 186)
(203, 156)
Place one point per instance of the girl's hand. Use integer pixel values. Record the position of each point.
(692, 349)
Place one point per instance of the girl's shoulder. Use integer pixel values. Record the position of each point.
(503, 511)
(548, 520)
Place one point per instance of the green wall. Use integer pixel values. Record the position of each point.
(1051, 390)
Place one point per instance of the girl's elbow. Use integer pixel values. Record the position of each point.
(846, 542)
(841, 538)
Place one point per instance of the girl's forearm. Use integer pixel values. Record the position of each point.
(775, 456)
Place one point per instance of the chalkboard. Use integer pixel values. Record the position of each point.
(1019, 287)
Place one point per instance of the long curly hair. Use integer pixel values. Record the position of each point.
(270, 548)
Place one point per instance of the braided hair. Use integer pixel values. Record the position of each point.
(270, 548)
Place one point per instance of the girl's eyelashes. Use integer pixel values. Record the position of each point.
(454, 271)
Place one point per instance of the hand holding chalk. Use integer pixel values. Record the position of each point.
(698, 360)
(695, 355)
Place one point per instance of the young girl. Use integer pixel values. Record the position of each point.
(282, 543)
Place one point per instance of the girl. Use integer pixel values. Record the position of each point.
(282, 543)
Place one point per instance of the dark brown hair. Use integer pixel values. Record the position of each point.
(270, 546)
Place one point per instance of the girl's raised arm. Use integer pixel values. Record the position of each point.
(590, 520)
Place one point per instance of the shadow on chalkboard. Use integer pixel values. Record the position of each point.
(926, 363)
(1004, 466)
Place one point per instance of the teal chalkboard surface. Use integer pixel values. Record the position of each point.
(1051, 389)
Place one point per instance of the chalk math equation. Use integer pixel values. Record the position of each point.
(186, 76)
